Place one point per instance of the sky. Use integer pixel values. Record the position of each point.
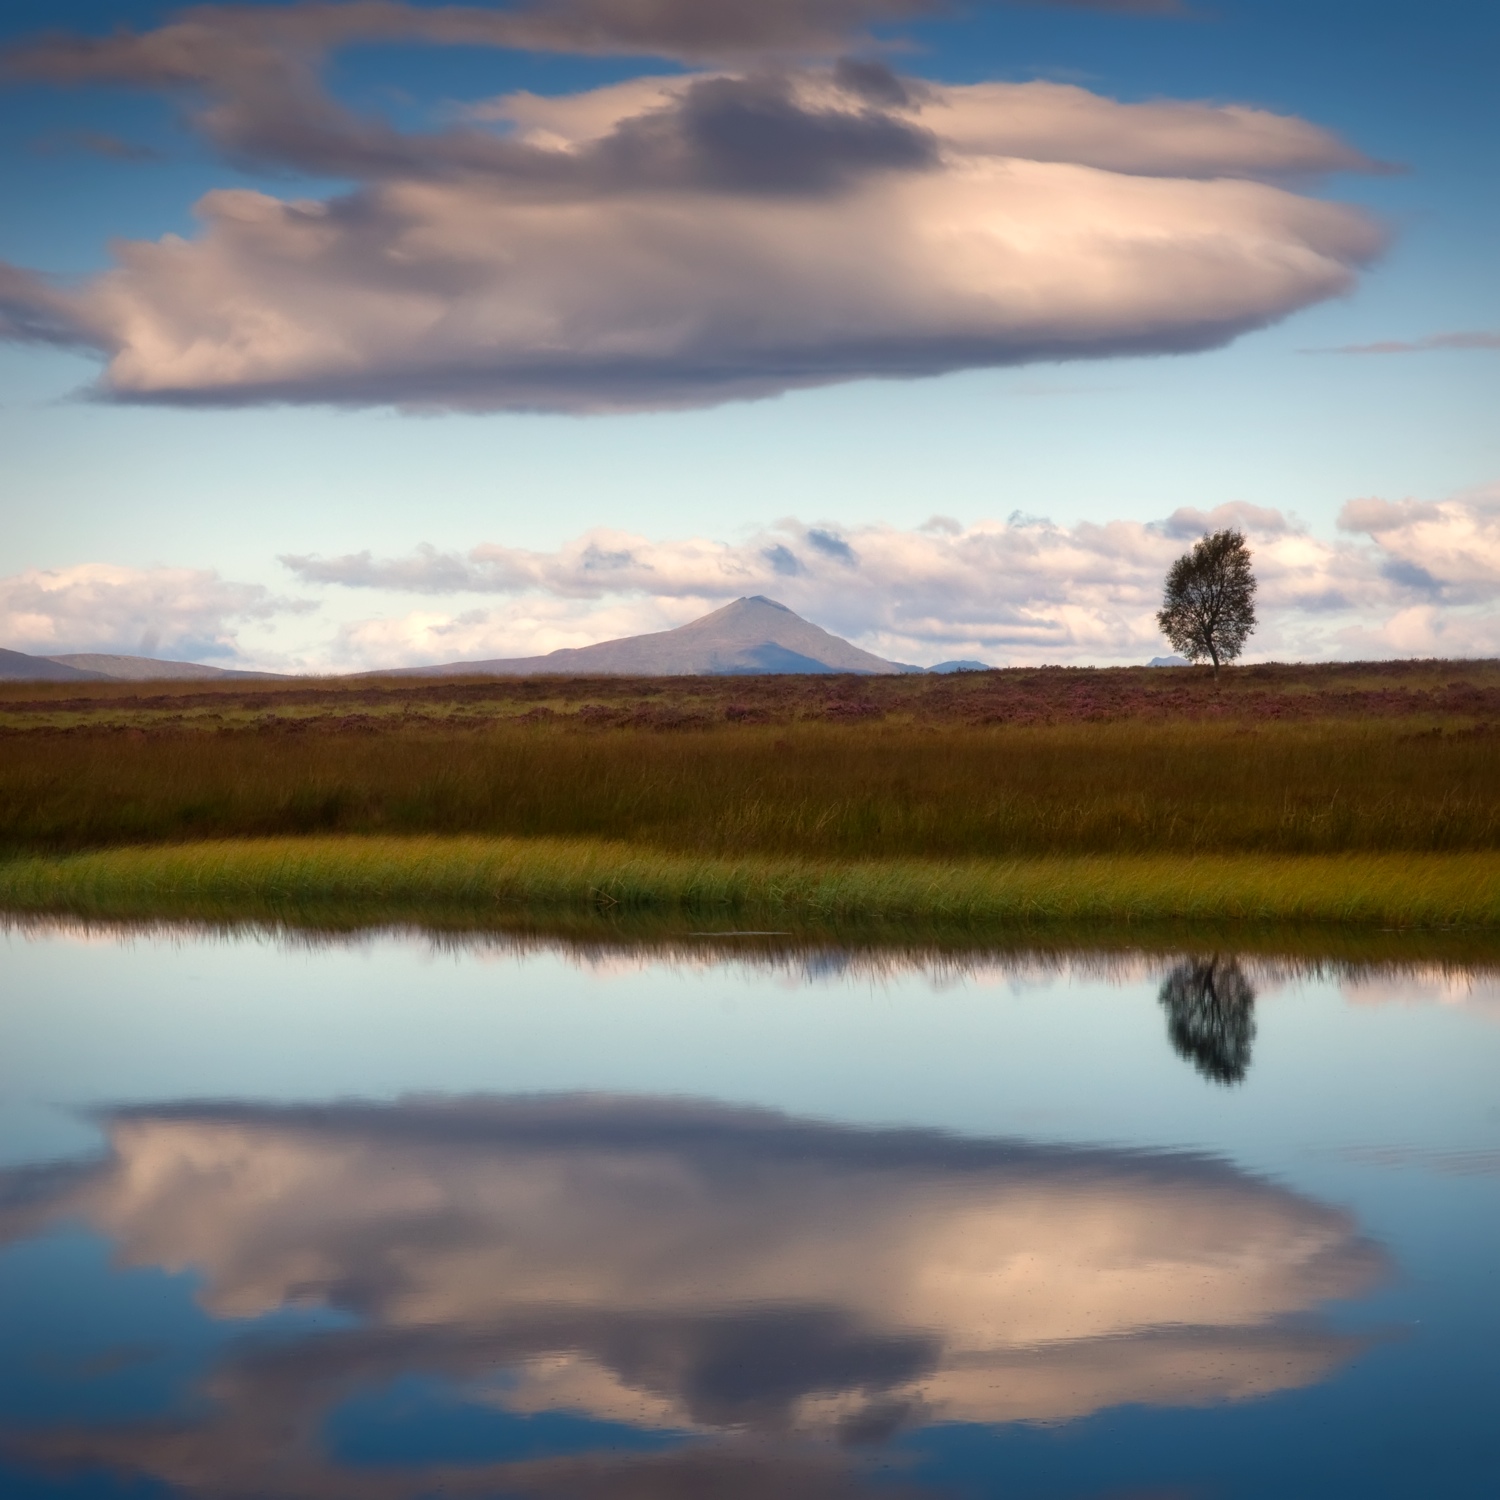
(339, 334)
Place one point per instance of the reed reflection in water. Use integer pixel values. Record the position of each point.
(1208, 994)
(785, 1291)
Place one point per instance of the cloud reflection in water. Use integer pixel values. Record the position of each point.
(787, 1289)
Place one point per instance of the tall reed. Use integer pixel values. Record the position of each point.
(815, 790)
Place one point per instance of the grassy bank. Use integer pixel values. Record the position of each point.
(444, 877)
(1361, 795)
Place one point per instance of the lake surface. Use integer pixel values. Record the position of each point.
(398, 1217)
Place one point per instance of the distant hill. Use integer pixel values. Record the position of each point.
(750, 636)
(961, 666)
(17, 666)
(147, 668)
(99, 666)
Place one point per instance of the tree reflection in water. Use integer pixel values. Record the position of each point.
(1211, 1016)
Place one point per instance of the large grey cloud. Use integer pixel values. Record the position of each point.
(679, 241)
(205, 42)
(253, 78)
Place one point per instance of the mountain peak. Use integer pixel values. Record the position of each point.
(749, 635)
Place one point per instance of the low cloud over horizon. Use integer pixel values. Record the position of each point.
(770, 221)
(186, 613)
(1401, 578)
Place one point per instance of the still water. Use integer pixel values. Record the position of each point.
(397, 1217)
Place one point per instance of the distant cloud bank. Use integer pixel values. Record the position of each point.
(186, 613)
(745, 229)
(1402, 578)
(1409, 578)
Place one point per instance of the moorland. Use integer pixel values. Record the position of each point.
(1363, 792)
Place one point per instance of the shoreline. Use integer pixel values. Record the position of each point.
(482, 879)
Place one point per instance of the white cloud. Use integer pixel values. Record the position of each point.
(1418, 579)
(1477, 338)
(1450, 548)
(169, 612)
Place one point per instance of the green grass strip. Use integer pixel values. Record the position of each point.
(548, 875)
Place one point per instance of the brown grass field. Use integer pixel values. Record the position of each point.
(1369, 758)
(1364, 794)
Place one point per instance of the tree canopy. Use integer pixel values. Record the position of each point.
(1209, 606)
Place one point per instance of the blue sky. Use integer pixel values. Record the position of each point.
(139, 517)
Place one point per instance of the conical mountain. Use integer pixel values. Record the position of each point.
(751, 635)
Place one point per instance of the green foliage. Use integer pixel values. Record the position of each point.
(1209, 607)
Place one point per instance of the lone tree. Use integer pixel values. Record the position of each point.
(1209, 608)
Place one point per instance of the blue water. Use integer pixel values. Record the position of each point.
(396, 1218)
